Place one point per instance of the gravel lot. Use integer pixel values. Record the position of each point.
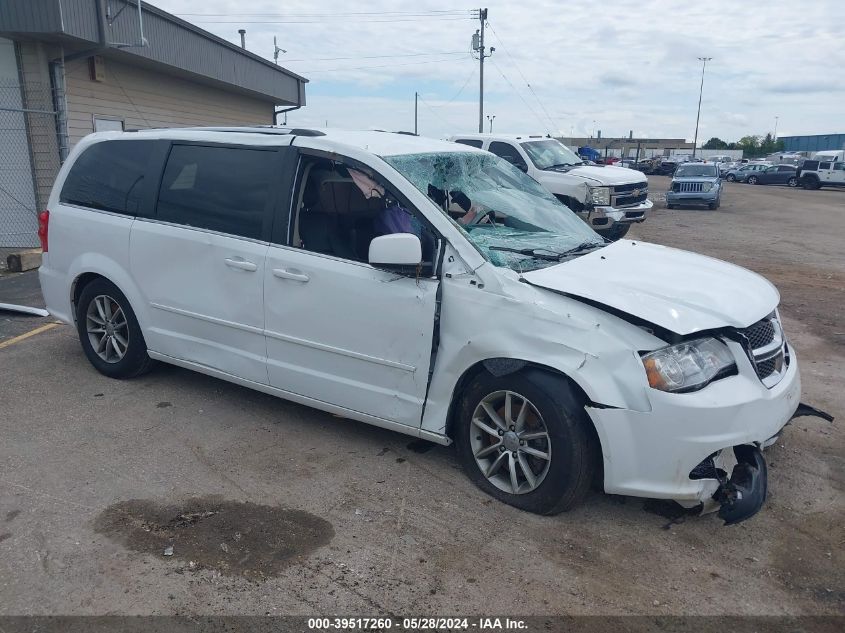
(276, 508)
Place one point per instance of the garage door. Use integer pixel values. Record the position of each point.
(18, 211)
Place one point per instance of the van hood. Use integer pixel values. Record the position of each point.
(676, 290)
(602, 175)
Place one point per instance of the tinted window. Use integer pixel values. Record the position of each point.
(839, 166)
(786, 168)
(107, 176)
(824, 165)
(470, 142)
(508, 152)
(219, 188)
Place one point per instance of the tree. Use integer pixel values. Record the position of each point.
(715, 143)
(750, 145)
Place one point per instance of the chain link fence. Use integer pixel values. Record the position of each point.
(29, 160)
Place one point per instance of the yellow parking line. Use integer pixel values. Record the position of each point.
(26, 335)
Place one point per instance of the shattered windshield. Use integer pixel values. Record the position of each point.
(506, 214)
(550, 153)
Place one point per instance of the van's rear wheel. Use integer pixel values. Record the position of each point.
(109, 331)
(524, 438)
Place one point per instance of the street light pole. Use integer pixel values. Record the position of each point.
(776, 129)
(490, 118)
(703, 61)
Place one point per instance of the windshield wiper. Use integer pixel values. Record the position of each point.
(561, 165)
(537, 253)
(584, 246)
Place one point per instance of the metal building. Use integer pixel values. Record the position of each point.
(72, 67)
(813, 143)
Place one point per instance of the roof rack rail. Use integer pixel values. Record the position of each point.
(259, 129)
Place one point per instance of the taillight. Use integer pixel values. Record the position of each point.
(43, 228)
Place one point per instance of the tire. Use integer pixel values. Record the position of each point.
(554, 414)
(713, 206)
(792, 182)
(124, 352)
(811, 182)
(730, 178)
(616, 233)
(752, 180)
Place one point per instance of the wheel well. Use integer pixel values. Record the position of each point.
(570, 202)
(79, 283)
(501, 366)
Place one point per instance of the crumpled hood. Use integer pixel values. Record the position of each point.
(606, 175)
(680, 291)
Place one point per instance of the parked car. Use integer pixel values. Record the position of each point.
(429, 288)
(695, 184)
(774, 175)
(741, 174)
(609, 199)
(814, 174)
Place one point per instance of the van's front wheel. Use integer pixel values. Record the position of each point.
(524, 438)
(109, 331)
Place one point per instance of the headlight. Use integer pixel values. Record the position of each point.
(707, 186)
(687, 366)
(600, 196)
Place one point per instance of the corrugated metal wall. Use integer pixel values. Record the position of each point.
(143, 99)
(813, 143)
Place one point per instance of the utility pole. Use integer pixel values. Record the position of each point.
(703, 61)
(416, 105)
(776, 129)
(478, 47)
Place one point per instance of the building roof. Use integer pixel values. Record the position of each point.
(173, 45)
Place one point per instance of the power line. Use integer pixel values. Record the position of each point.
(420, 13)
(458, 93)
(427, 61)
(442, 118)
(346, 20)
(527, 83)
(527, 105)
(327, 59)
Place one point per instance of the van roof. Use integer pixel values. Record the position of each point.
(502, 137)
(378, 142)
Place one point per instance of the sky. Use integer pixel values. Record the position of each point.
(569, 68)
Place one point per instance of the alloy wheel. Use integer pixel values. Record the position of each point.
(107, 328)
(510, 442)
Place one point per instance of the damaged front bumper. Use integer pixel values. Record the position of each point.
(660, 453)
(604, 218)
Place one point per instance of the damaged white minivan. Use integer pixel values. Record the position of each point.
(429, 288)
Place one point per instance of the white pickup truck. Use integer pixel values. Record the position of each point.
(609, 199)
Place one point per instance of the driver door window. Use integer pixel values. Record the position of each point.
(509, 153)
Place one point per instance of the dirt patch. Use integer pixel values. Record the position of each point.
(235, 538)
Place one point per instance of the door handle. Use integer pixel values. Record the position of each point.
(241, 264)
(284, 273)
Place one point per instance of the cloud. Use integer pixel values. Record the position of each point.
(627, 64)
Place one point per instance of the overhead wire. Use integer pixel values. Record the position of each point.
(527, 105)
(527, 83)
(425, 61)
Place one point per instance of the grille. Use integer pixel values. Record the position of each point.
(622, 201)
(768, 362)
(688, 187)
(760, 334)
(767, 367)
(642, 186)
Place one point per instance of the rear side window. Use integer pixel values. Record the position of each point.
(107, 176)
(224, 189)
(471, 142)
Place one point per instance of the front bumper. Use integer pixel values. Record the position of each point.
(603, 218)
(652, 453)
(693, 197)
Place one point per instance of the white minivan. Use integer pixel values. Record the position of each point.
(608, 198)
(429, 288)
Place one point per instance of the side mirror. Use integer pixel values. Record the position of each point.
(399, 250)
